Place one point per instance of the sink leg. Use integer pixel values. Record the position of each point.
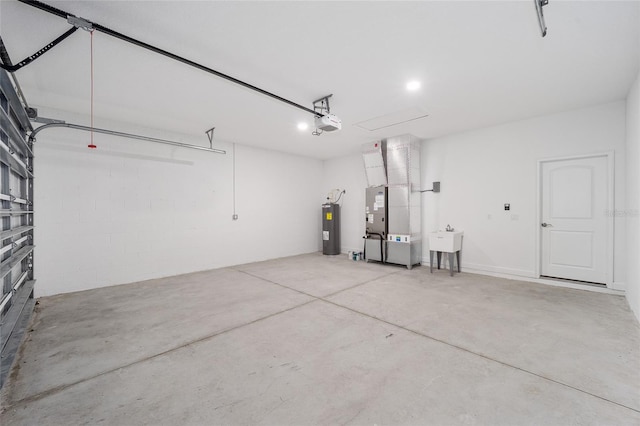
(431, 261)
(451, 263)
(458, 259)
(439, 255)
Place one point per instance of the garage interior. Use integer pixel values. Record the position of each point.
(164, 255)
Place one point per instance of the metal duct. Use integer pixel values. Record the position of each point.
(393, 161)
(375, 167)
(403, 175)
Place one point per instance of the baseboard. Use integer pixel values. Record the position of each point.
(529, 276)
(619, 286)
(497, 271)
(586, 287)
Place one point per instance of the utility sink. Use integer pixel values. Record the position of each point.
(444, 241)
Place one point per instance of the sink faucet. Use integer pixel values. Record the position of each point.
(449, 228)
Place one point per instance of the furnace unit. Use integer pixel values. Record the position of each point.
(393, 232)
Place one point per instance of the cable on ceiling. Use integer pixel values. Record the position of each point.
(74, 19)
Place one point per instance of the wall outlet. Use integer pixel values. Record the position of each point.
(234, 217)
(507, 207)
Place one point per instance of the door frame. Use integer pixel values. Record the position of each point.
(610, 156)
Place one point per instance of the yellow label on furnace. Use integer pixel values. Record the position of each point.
(329, 216)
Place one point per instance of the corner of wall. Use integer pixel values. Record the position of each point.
(632, 210)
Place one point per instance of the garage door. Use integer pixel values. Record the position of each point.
(16, 213)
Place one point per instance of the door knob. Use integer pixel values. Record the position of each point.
(545, 225)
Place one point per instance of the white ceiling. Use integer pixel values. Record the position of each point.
(480, 63)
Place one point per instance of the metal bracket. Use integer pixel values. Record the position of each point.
(80, 23)
(210, 135)
(32, 113)
(44, 120)
(539, 5)
(320, 106)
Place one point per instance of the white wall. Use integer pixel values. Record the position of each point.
(348, 173)
(632, 210)
(131, 210)
(481, 170)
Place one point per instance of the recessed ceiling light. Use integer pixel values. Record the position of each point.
(303, 126)
(413, 85)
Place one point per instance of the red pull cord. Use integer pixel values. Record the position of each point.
(91, 145)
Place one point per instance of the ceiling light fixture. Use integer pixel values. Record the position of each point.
(413, 85)
(302, 126)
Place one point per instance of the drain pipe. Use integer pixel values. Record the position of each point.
(32, 136)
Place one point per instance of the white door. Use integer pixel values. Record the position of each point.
(574, 223)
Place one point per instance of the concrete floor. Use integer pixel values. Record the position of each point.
(315, 339)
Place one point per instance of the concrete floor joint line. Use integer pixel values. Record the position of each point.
(311, 295)
(481, 355)
(475, 331)
(57, 389)
(323, 298)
